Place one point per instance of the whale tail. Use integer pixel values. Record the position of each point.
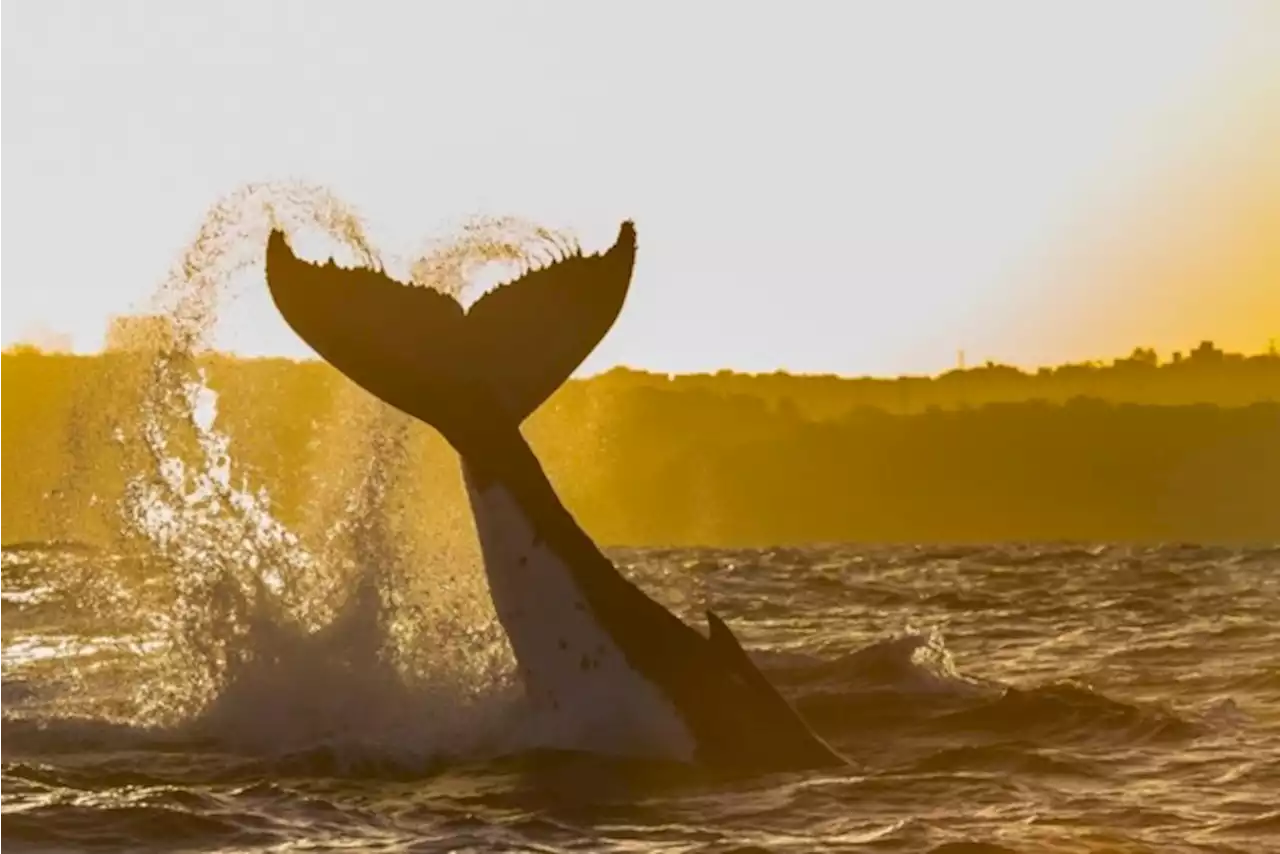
(459, 371)
(474, 376)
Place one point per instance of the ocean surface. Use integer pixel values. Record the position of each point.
(990, 699)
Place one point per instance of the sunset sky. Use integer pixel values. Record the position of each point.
(831, 187)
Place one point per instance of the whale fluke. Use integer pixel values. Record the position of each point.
(415, 347)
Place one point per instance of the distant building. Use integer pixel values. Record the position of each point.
(1206, 352)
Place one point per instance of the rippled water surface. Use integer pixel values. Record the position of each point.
(998, 698)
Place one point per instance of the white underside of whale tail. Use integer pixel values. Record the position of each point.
(584, 694)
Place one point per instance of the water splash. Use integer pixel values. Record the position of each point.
(368, 613)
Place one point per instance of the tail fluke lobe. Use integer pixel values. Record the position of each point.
(392, 340)
(416, 349)
(529, 335)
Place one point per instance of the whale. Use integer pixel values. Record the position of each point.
(607, 668)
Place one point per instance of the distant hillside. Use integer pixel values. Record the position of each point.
(1205, 375)
(1136, 450)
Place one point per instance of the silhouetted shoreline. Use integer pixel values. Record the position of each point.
(1188, 450)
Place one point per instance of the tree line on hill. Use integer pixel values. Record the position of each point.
(1187, 450)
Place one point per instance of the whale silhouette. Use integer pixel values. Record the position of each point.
(614, 671)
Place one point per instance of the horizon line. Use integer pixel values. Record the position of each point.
(1153, 358)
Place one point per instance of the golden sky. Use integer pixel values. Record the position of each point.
(843, 187)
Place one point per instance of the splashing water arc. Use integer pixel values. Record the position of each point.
(373, 588)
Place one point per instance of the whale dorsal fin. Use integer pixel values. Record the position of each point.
(791, 737)
(725, 645)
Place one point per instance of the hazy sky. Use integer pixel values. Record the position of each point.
(821, 186)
